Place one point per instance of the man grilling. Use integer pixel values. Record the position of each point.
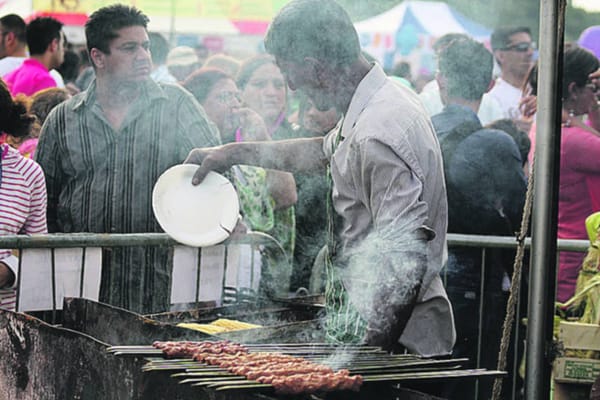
(388, 189)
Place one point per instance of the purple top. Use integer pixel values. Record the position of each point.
(31, 77)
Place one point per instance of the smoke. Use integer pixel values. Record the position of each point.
(383, 275)
(341, 358)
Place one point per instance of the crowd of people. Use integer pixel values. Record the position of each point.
(356, 175)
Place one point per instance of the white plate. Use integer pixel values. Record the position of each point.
(198, 216)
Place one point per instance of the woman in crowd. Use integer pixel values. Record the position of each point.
(266, 197)
(40, 106)
(22, 191)
(579, 189)
(264, 90)
(225, 63)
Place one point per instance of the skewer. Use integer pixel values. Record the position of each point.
(205, 371)
(374, 364)
(251, 385)
(234, 386)
(195, 367)
(308, 347)
(463, 373)
(212, 381)
(324, 358)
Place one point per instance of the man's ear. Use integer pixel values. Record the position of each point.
(498, 57)
(318, 71)
(53, 46)
(441, 81)
(97, 57)
(443, 85)
(10, 37)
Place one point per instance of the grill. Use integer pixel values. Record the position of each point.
(374, 365)
(95, 353)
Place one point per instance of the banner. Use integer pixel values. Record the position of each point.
(253, 10)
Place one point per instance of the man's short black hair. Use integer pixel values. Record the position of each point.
(320, 29)
(467, 67)
(444, 40)
(102, 26)
(501, 37)
(41, 32)
(15, 24)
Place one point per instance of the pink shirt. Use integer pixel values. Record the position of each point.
(22, 204)
(31, 77)
(578, 197)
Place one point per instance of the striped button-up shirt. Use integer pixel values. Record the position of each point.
(100, 179)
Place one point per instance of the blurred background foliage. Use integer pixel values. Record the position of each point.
(490, 13)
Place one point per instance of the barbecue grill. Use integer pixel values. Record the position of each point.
(103, 352)
(373, 364)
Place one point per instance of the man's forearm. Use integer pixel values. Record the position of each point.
(394, 302)
(296, 155)
(385, 297)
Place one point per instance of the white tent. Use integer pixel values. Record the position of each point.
(19, 7)
(413, 25)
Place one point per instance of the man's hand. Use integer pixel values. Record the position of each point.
(392, 310)
(209, 159)
(252, 125)
(240, 228)
(528, 105)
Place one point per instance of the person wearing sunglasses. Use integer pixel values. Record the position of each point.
(579, 190)
(513, 50)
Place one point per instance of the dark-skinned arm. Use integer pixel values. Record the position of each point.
(295, 156)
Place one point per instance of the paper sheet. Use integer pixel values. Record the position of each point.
(73, 278)
(242, 270)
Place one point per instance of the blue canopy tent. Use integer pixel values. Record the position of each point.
(410, 28)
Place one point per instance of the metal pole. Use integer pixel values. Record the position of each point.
(545, 206)
(70, 240)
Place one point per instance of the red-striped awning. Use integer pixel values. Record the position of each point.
(72, 19)
(251, 27)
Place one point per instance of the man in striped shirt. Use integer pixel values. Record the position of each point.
(103, 150)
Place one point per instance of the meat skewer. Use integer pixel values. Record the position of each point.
(287, 374)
